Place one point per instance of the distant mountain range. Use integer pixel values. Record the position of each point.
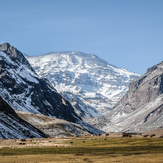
(90, 84)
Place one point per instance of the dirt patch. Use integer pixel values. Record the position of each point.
(18, 143)
(157, 133)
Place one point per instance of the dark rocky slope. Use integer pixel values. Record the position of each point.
(13, 127)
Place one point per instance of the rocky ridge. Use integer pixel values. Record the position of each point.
(141, 109)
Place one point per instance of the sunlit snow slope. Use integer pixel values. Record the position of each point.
(91, 85)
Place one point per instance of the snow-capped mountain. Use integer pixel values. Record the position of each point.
(25, 91)
(141, 109)
(92, 85)
(13, 127)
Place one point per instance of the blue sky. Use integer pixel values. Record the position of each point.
(125, 33)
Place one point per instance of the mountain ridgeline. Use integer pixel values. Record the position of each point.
(24, 90)
(92, 85)
(72, 86)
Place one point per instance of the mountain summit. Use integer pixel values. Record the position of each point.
(15, 55)
(92, 85)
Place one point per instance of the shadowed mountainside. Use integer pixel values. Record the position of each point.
(13, 127)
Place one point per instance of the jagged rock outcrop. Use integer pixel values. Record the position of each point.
(15, 55)
(13, 127)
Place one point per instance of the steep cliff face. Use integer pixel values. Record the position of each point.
(15, 55)
(13, 127)
(144, 89)
(141, 109)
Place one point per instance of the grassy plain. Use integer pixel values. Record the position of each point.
(86, 149)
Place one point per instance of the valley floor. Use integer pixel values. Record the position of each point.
(82, 149)
(71, 158)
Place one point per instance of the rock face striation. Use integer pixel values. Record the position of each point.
(144, 89)
(141, 109)
(13, 127)
(91, 85)
(24, 90)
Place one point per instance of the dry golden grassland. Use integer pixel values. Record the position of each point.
(83, 149)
